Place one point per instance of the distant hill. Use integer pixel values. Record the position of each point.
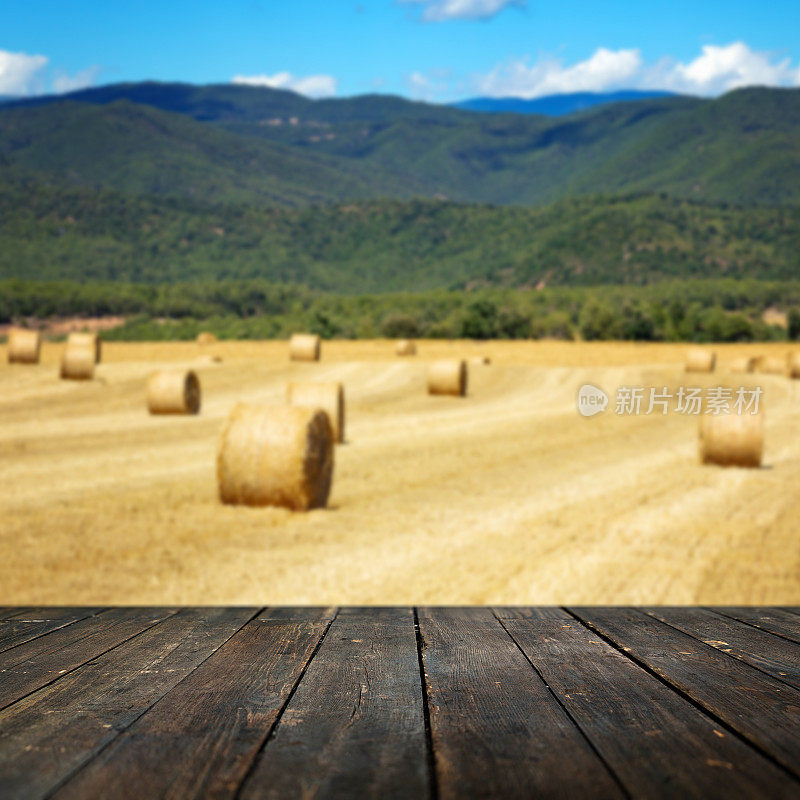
(252, 144)
(380, 246)
(555, 105)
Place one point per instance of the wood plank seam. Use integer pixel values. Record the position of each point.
(433, 777)
(274, 727)
(719, 612)
(88, 661)
(121, 730)
(724, 652)
(52, 630)
(687, 697)
(574, 721)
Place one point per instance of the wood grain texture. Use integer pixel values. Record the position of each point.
(355, 727)
(496, 729)
(656, 742)
(765, 651)
(202, 737)
(21, 628)
(50, 734)
(760, 708)
(36, 663)
(780, 621)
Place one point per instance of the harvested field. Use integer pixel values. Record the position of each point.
(506, 496)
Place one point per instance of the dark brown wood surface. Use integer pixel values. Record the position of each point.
(761, 709)
(399, 703)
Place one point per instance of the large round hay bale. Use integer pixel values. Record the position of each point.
(405, 347)
(77, 363)
(173, 392)
(276, 456)
(774, 365)
(480, 360)
(24, 346)
(732, 439)
(448, 377)
(86, 339)
(793, 365)
(700, 360)
(327, 396)
(744, 364)
(205, 337)
(304, 347)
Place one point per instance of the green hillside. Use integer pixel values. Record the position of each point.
(244, 143)
(141, 150)
(378, 246)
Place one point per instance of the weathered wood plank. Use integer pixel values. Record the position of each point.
(50, 734)
(24, 627)
(201, 738)
(497, 730)
(779, 621)
(760, 708)
(765, 651)
(355, 727)
(657, 743)
(32, 665)
(9, 612)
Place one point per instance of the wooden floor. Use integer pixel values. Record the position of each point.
(399, 702)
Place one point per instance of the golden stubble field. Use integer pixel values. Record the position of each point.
(507, 496)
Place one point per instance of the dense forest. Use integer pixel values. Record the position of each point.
(380, 246)
(720, 310)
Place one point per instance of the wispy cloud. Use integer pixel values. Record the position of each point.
(309, 85)
(429, 85)
(444, 10)
(21, 74)
(716, 70)
(63, 82)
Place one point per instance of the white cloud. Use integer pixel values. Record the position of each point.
(310, 85)
(719, 69)
(443, 10)
(21, 74)
(604, 70)
(63, 83)
(716, 70)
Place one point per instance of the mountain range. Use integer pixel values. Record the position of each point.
(154, 182)
(555, 105)
(250, 144)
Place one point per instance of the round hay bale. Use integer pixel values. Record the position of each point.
(732, 439)
(77, 363)
(793, 365)
(744, 364)
(86, 339)
(774, 365)
(480, 360)
(276, 456)
(304, 347)
(173, 392)
(205, 337)
(448, 377)
(24, 346)
(405, 347)
(327, 396)
(700, 360)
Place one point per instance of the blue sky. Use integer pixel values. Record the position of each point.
(437, 50)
